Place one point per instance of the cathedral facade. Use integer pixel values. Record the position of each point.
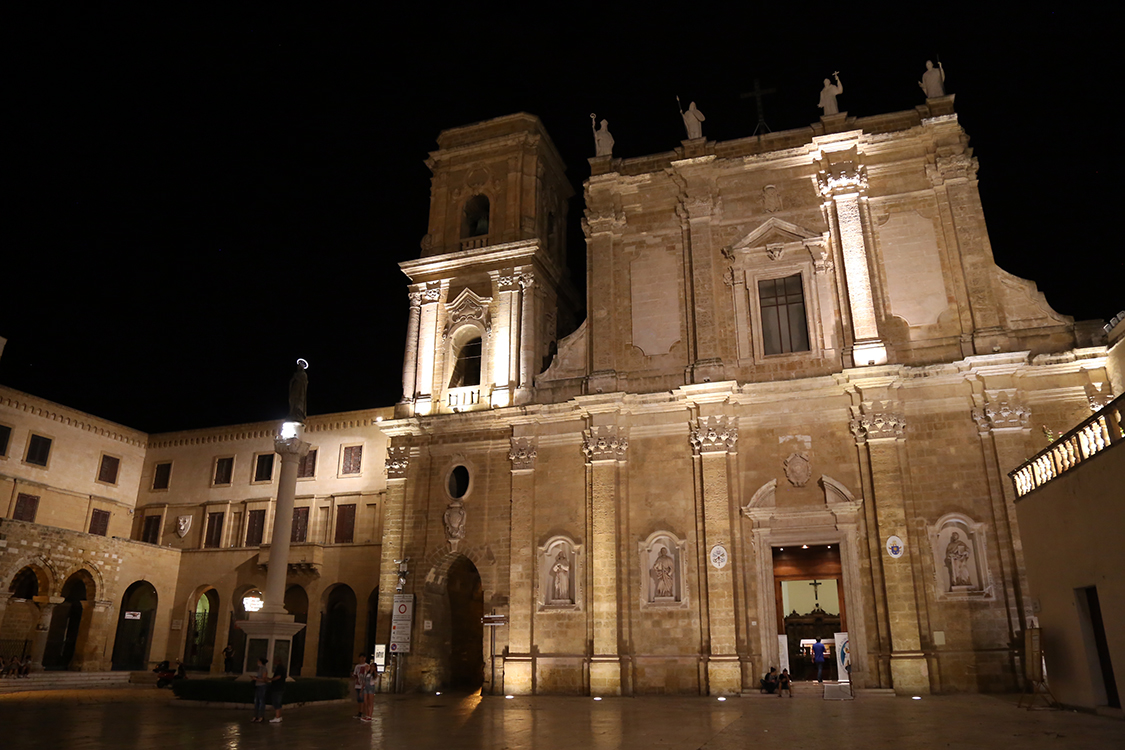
(800, 374)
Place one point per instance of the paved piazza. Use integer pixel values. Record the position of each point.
(144, 718)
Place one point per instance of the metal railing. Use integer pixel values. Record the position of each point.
(1101, 430)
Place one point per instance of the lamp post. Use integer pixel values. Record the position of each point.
(270, 630)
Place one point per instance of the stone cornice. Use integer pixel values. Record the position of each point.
(39, 407)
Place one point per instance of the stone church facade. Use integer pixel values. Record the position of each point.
(798, 361)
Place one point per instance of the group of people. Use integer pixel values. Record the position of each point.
(15, 667)
(777, 683)
(364, 675)
(273, 685)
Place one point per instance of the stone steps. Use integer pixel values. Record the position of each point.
(64, 681)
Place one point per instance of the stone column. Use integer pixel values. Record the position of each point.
(394, 529)
(528, 338)
(605, 448)
(427, 348)
(713, 439)
(879, 428)
(519, 665)
(42, 629)
(842, 189)
(410, 357)
(272, 623)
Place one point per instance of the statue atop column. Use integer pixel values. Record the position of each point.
(298, 386)
(693, 121)
(829, 93)
(933, 81)
(603, 141)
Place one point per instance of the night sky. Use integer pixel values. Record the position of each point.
(197, 197)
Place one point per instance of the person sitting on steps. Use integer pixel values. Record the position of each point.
(769, 682)
(784, 683)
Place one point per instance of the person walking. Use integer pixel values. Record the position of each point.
(818, 660)
(369, 691)
(261, 683)
(228, 659)
(277, 691)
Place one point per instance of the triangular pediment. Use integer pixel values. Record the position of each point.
(777, 231)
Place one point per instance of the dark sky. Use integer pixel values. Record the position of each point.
(197, 196)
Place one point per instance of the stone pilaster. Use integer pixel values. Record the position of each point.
(843, 189)
(428, 338)
(518, 664)
(42, 629)
(879, 429)
(1004, 426)
(602, 226)
(697, 209)
(713, 440)
(527, 336)
(605, 448)
(394, 510)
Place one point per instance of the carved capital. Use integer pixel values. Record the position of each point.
(605, 443)
(876, 420)
(526, 280)
(1098, 395)
(1003, 412)
(952, 167)
(294, 447)
(398, 460)
(432, 293)
(523, 453)
(843, 180)
(415, 299)
(714, 434)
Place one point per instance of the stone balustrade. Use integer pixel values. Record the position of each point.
(1094, 435)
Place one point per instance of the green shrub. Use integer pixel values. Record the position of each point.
(227, 690)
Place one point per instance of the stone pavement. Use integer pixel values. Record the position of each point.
(143, 718)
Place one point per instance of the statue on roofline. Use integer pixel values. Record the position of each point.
(829, 93)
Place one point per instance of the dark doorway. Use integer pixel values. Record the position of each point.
(809, 579)
(297, 604)
(66, 624)
(1097, 644)
(337, 633)
(202, 624)
(466, 608)
(134, 627)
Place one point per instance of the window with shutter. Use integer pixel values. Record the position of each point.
(214, 530)
(255, 527)
(99, 522)
(345, 524)
(151, 531)
(26, 507)
(38, 450)
(5, 439)
(162, 476)
(107, 472)
(263, 468)
(353, 459)
(306, 469)
(224, 469)
(300, 525)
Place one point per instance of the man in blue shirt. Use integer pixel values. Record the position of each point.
(818, 659)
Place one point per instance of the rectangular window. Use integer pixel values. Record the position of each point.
(263, 468)
(353, 459)
(38, 450)
(306, 469)
(162, 476)
(150, 532)
(99, 522)
(214, 530)
(107, 472)
(300, 525)
(5, 438)
(255, 527)
(345, 524)
(26, 507)
(784, 328)
(224, 470)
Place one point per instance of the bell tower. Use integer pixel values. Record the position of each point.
(487, 295)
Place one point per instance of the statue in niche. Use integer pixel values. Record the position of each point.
(693, 121)
(829, 93)
(664, 574)
(454, 520)
(560, 576)
(957, 555)
(298, 387)
(933, 81)
(772, 198)
(603, 141)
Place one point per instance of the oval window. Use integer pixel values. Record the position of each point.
(458, 482)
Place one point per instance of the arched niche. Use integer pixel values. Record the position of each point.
(475, 216)
(960, 553)
(560, 575)
(663, 561)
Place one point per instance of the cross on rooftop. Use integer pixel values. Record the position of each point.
(757, 94)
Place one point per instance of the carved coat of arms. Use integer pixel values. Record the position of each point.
(183, 526)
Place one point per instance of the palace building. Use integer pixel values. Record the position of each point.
(789, 413)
